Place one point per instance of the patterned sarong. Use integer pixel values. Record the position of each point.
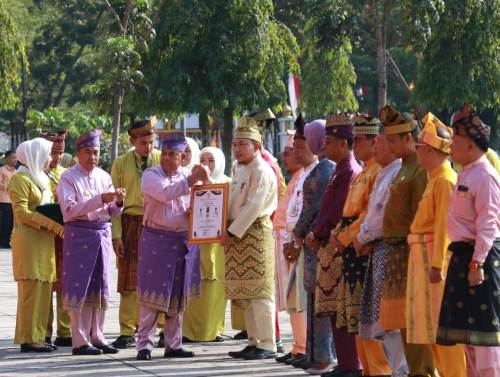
(471, 315)
(127, 265)
(250, 263)
(351, 290)
(423, 299)
(168, 271)
(329, 275)
(87, 249)
(369, 326)
(393, 307)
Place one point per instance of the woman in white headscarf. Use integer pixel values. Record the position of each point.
(192, 154)
(204, 317)
(33, 255)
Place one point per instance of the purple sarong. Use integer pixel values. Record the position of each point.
(168, 271)
(87, 249)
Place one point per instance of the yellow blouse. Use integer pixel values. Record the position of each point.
(33, 254)
(357, 201)
(432, 213)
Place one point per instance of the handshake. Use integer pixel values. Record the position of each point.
(119, 195)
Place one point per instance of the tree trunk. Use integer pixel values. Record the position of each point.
(117, 112)
(381, 68)
(204, 127)
(227, 138)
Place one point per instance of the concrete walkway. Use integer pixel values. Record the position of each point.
(211, 358)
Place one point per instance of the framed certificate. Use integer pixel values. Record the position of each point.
(208, 219)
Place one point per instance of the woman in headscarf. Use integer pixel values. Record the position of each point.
(204, 317)
(33, 255)
(192, 154)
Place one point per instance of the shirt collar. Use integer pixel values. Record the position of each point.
(85, 172)
(410, 160)
(438, 170)
(480, 161)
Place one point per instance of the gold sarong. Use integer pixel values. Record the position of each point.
(250, 263)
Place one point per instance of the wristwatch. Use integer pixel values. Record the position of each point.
(475, 265)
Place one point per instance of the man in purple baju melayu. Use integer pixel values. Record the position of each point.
(168, 270)
(88, 200)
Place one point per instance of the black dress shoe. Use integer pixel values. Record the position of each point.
(144, 355)
(86, 350)
(26, 347)
(241, 354)
(63, 342)
(241, 335)
(337, 372)
(187, 340)
(304, 364)
(180, 353)
(107, 349)
(218, 339)
(161, 341)
(296, 359)
(284, 358)
(259, 354)
(124, 341)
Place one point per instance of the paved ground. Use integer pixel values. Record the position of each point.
(211, 359)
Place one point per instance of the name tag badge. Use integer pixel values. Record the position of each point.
(462, 188)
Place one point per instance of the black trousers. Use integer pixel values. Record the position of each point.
(6, 223)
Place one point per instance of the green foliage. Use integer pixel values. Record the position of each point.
(219, 54)
(461, 62)
(11, 53)
(76, 121)
(327, 81)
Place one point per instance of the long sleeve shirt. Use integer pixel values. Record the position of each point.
(313, 188)
(79, 194)
(356, 204)
(334, 198)
(474, 207)
(253, 195)
(406, 192)
(432, 212)
(279, 220)
(127, 173)
(371, 228)
(166, 199)
(6, 174)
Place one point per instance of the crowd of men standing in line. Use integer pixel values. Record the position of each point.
(387, 262)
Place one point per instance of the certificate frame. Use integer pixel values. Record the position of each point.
(208, 213)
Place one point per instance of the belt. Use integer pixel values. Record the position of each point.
(394, 240)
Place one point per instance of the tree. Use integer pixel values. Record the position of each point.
(122, 54)
(461, 62)
(327, 72)
(228, 56)
(12, 57)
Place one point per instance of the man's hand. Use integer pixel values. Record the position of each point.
(476, 277)
(291, 252)
(226, 239)
(108, 197)
(118, 247)
(436, 275)
(312, 242)
(358, 246)
(120, 195)
(335, 243)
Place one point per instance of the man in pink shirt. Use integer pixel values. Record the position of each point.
(471, 304)
(6, 215)
(168, 268)
(88, 200)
